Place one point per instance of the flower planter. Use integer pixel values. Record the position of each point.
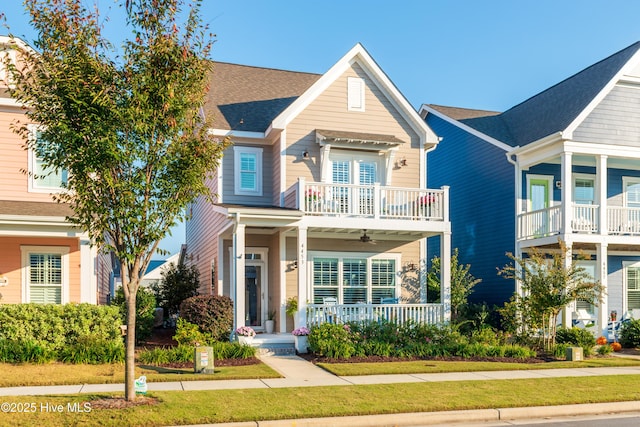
(245, 340)
(301, 343)
(269, 326)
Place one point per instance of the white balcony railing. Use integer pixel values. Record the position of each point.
(623, 220)
(397, 313)
(540, 223)
(372, 201)
(585, 219)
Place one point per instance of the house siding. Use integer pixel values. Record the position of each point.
(329, 111)
(482, 210)
(616, 120)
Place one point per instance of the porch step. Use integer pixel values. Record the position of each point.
(274, 344)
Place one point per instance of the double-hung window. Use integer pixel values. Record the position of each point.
(41, 177)
(632, 287)
(45, 274)
(248, 171)
(354, 278)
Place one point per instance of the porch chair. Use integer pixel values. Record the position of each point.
(583, 318)
(330, 312)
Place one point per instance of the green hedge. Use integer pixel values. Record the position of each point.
(44, 332)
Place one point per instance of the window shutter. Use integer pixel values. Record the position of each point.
(355, 89)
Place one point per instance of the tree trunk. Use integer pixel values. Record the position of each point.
(130, 362)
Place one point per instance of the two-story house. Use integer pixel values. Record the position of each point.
(43, 258)
(564, 164)
(322, 197)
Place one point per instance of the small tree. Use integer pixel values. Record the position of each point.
(128, 124)
(548, 285)
(178, 283)
(462, 283)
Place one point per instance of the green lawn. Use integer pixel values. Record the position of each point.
(435, 366)
(201, 407)
(61, 374)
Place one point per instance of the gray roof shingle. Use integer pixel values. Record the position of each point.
(555, 108)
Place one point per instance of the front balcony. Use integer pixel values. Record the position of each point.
(432, 314)
(369, 201)
(585, 219)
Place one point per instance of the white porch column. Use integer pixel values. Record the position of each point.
(445, 275)
(282, 314)
(567, 199)
(238, 282)
(601, 274)
(601, 188)
(568, 311)
(302, 277)
(88, 272)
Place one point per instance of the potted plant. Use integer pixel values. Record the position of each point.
(269, 325)
(300, 335)
(245, 335)
(292, 308)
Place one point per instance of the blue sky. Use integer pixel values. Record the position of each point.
(488, 54)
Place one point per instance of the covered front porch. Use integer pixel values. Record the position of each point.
(375, 273)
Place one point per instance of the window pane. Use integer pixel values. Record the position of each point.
(354, 279)
(325, 279)
(341, 172)
(633, 288)
(584, 191)
(46, 177)
(45, 278)
(633, 194)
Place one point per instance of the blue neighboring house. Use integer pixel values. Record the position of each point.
(564, 164)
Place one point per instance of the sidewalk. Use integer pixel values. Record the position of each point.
(298, 372)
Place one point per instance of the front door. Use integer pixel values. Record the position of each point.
(539, 201)
(256, 289)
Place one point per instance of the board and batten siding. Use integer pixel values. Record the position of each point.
(616, 120)
(481, 205)
(329, 111)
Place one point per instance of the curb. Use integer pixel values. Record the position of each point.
(446, 417)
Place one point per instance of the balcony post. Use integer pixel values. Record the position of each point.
(601, 188)
(445, 275)
(301, 194)
(567, 204)
(603, 310)
(445, 203)
(302, 277)
(377, 200)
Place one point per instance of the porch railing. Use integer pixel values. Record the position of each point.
(371, 201)
(397, 313)
(540, 223)
(623, 220)
(585, 219)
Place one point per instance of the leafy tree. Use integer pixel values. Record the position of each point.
(126, 124)
(462, 283)
(178, 283)
(548, 285)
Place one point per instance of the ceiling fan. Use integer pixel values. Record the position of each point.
(365, 238)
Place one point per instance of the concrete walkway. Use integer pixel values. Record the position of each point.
(298, 372)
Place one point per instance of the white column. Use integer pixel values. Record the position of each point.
(601, 275)
(601, 195)
(445, 275)
(238, 282)
(568, 311)
(567, 203)
(282, 315)
(302, 276)
(88, 272)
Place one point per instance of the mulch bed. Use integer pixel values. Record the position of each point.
(381, 359)
(122, 403)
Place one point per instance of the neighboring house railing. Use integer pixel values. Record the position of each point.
(623, 220)
(585, 219)
(369, 201)
(431, 314)
(540, 223)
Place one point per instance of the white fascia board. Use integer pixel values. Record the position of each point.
(238, 134)
(356, 55)
(10, 102)
(426, 109)
(630, 65)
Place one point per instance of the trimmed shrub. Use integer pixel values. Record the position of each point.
(190, 334)
(604, 349)
(145, 311)
(212, 313)
(184, 353)
(93, 351)
(577, 336)
(331, 340)
(39, 332)
(630, 333)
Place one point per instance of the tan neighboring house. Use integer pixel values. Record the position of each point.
(43, 258)
(322, 197)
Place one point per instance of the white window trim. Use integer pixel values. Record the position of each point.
(549, 179)
(626, 180)
(237, 150)
(355, 100)
(63, 251)
(352, 255)
(585, 176)
(625, 285)
(354, 159)
(33, 188)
